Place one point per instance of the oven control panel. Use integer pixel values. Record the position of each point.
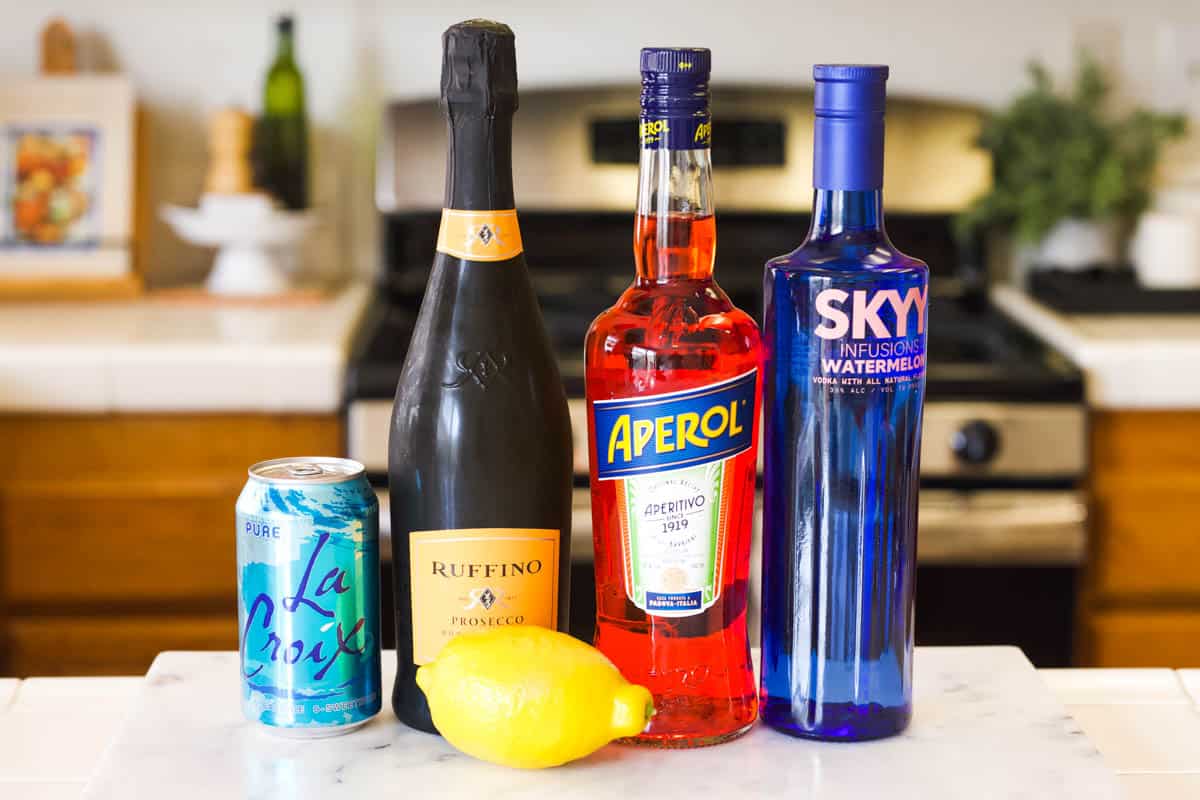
(1015, 441)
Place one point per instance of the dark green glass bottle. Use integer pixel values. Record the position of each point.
(281, 146)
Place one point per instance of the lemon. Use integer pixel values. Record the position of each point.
(529, 697)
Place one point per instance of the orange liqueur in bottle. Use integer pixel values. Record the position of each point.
(673, 393)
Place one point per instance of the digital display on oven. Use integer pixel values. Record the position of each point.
(735, 143)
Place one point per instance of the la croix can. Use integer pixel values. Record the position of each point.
(308, 596)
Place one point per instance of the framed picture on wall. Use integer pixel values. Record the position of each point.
(66, 179)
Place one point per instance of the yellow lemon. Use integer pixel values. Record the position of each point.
(529, 697)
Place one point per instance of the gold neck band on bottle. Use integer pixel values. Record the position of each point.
(480, 235)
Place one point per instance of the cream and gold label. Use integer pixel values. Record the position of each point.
(478, 578)
(480, 235)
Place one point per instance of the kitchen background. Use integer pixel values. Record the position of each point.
(188, 59)
(1062, 481)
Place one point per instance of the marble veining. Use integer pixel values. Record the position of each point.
(985, 726)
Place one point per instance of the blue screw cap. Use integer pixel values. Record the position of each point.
(849, 101)
(677, 61)
(675, 81)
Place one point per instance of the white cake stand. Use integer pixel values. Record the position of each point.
(253, 240)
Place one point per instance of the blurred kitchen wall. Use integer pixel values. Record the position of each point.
(188, 58)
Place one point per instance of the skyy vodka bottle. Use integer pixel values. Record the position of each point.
(673, 395)
(844, 383)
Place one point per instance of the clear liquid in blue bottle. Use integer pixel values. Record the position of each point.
(845, 340)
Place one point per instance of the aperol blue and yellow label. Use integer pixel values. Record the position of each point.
(638, 435)
(669, 455)
(693, 132)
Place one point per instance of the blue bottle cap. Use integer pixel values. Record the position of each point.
(675, 113)
(677, 61)
(848, 101)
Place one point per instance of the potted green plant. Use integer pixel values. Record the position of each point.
(1068, 176)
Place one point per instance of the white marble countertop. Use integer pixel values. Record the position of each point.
(1129, 361)
(152, 355)
(984, 726)
(54, 732)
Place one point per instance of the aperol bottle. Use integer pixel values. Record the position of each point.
(673, 394)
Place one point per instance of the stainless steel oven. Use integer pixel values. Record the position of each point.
(1003, 523)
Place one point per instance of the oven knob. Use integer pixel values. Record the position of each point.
(975, 442)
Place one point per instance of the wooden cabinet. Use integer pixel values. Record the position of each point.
(1141, 592)
(1153, 637)
(121, 642)
(117, 532)
(117, 540)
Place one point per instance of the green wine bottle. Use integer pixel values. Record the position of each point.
(281, 144)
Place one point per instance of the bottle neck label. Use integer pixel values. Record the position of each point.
(480, 235)
(690, 132)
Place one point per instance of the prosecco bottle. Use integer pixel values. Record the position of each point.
(480, 463)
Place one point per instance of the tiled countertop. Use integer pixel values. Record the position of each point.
(177, 355)
(1145, 722)
(53, 731)
(1129, 361)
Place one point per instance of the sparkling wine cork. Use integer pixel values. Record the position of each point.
(230, 133)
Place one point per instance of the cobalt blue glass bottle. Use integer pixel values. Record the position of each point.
(844, 331)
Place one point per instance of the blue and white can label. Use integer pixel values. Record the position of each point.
(692, 132)
(308, 596)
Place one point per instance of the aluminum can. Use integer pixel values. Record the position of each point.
(308, 596)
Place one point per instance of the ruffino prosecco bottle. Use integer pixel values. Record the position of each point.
(479, 463)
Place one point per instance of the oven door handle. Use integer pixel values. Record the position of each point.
(976, 528)
(1002, 527)
(972, 528)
